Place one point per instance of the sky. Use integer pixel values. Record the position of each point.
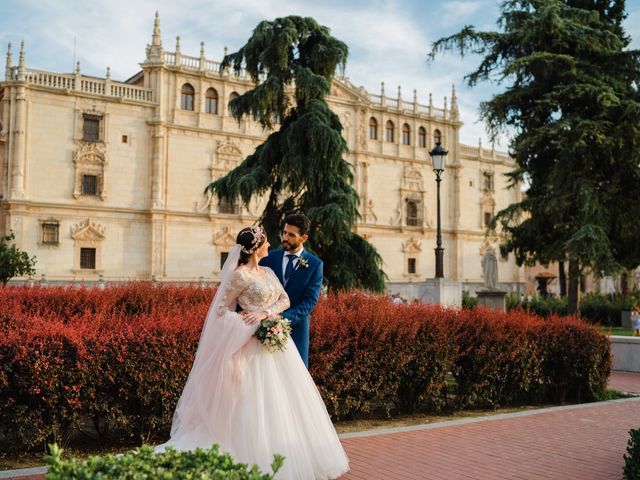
(388, 40)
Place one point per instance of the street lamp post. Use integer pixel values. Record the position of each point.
(438, 157)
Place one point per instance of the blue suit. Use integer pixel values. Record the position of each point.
(303, 287)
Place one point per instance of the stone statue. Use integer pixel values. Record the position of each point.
(490, 269)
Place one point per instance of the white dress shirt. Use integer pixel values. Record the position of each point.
(285, 260)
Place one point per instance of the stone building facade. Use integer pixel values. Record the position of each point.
(103, 179)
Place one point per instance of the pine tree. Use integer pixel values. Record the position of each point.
(300, 167)
(571, 100)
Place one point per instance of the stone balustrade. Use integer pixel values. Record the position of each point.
(479, 152)
(84, 84)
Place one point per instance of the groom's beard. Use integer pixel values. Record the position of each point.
(290, 247)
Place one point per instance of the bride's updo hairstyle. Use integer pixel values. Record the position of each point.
(250, 239)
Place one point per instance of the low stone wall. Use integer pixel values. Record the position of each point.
(626, 353)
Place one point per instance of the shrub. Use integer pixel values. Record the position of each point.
(118, 358)
(594, 307)
(631, 469)
(468, 301)
(498, 359)
(576, 360)
(143, 463)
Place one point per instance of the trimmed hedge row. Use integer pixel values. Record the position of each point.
(119, 357)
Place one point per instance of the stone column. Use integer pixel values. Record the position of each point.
(157, 247)
(19, 131)
(158, 144)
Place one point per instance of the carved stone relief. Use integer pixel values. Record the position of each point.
(412, 245)
(89, 159)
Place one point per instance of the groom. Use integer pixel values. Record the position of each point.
(301, 275)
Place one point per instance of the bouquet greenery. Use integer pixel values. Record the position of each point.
(274, 333)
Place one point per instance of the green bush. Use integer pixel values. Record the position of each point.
(468, 301)
(144, 464)
(513, 300)
(594, 307)
(632, 457)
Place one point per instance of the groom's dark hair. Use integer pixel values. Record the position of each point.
(299, 220)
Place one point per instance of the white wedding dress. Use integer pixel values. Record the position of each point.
(252, 402)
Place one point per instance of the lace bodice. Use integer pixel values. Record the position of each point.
(255, 291)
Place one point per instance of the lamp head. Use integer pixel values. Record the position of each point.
(438, 157)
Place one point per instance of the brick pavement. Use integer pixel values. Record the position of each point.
(582, 442)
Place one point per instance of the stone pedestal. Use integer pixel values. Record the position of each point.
(442, 291)
(492, 299)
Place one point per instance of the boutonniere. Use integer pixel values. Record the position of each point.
(303, 263)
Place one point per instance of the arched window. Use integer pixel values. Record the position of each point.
(422, 137)
(186, 97)
(373, 129)
(412, 213)
(211, 101)
(437, 136)
(388, 131)
(406, 134)
(232, 96)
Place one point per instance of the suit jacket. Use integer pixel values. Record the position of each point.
(304, 287)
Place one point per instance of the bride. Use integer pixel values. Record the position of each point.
(252, 402)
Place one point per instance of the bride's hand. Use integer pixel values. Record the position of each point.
(251, 318)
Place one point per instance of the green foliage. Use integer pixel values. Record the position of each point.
(300, 167)
(572, 103)
(594, 307)
(13, 261)
(632, 457)
(468, 301)
(144, 464)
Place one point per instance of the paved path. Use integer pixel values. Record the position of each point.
(583, 442)
(580, 442)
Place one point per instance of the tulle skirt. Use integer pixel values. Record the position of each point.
(262, 403)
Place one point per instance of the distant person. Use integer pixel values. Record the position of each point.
(396, 298)
(635, 321)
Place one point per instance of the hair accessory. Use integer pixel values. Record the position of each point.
(258, 235)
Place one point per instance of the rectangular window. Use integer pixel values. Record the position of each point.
(88, 258)
(125, 139)
(91, 128)
(488, 181)
(223, 258)
(412, 213)
(487, 218)
(225, 206)
(411, 265)
(50, 233)
(406, 140)
(89, 184)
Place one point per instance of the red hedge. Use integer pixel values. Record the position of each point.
(75, 359)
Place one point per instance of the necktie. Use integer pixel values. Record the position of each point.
(290, 266)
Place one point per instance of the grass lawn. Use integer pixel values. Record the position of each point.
(617, 331)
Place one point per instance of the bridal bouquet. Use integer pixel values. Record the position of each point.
(274, 333)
